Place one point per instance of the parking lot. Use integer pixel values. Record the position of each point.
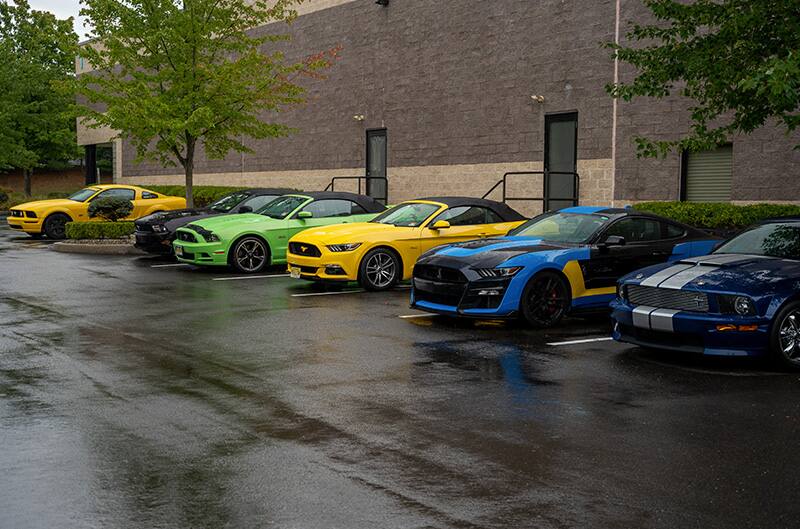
(139, 393)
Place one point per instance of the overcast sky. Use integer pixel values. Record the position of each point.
(62, 9)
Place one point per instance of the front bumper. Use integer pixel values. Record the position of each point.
(329, 266)
(201, 253)
(693, 332)
(151, 242)
(490, 298)
(25, 224)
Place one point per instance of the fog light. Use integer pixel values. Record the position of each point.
(748, 328)
(725, 328)
(490, 292)
(334, 270)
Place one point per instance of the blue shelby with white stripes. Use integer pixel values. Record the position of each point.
(556, 263)
(744, 299)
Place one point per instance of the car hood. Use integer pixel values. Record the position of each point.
(488, 253)
(51, 203)
(735, 273)
(344, 233)
(238, 221)
(162, 217)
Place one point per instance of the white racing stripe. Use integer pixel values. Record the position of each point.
(247, 277)
(656, 279)
(641, 316)
(327, 293)
(577, 342)
(681, 279)
(661, 320)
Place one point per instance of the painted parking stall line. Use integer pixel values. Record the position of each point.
(310, 294)
(578, 342)
(168, 265)
(411, 316)
(238, 278)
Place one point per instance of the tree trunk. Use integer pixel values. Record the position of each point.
(189, 168)
(26, 177)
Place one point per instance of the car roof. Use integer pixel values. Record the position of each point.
(369, 204)
(269, 191)
(504, 211)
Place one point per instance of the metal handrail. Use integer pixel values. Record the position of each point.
(545, 199)
(385, 198)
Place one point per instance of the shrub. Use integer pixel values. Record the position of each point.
(3, 196)
(203, 195)
(717, 215)
(111, 208)
(99, 230)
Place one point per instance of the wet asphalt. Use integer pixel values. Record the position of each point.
(134, 395)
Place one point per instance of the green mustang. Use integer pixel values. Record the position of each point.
(251, 241)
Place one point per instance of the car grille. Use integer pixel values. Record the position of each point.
(450, 299)
(439, 274)
(667, 298)
(144, 227)
(186, 236)
(300, 248)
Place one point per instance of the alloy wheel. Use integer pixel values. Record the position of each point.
(381, 269)
(789, 335)
(547, 300)
(250, 255)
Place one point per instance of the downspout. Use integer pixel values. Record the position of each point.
(614, 105)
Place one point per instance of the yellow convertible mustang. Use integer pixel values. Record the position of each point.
(380, 253)
(49, 217)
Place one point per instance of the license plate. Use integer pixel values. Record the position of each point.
(179, 251)
(294, 272)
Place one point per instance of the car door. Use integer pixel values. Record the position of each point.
(645, 245)
(324, 212)
(466, 223)
(126, 193)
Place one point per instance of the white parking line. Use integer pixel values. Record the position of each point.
(167, 265)
(409, 316)
(247, 277)
(327, 293)
(587, 340)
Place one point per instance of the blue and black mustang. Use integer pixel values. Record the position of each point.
(743, 299)
(556, 263)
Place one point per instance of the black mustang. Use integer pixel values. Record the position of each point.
(155, 233)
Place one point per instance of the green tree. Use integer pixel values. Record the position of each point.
(738, 60)
(37, 52)
(174, 75)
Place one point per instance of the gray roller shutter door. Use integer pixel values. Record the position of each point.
(708, 175)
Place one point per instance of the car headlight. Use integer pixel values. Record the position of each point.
(159, 228)
(494, 273)
(347, 247)
(741, 305)
(208, 235)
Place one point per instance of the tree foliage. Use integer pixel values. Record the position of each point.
(110, 208)
(172, 75)
(738, 60)
(37, 51)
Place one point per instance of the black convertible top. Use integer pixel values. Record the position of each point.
(270, 191)
(369, 204)
(507, 213)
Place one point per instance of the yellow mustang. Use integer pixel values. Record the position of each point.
(49, 217)
(383, 251)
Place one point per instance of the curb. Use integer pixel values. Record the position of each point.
(97, 249)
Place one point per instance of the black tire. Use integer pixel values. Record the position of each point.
(380, 269)
(545, 300)
(250, 255)
(785, 336)
(55, 226)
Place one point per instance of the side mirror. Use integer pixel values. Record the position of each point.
(440, 225)
(614, 240)
(717, 246)
(245, 209)
(305, 215)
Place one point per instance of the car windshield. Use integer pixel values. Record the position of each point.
(228, 202)
(779, 239)
(562, 227)
(409, 215)
(281, 207)
(83, 194)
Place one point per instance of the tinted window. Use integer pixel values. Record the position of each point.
(774, 240)
(83, 194)
(674, 231)
(468, 216)
(356, 209)
(562, 227)
(636, 229)
(148, 194)
(258, 202)
(281, 207)
(228, 202)
(128, 194)
(330, 208)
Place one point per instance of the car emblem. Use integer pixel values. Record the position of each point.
(699, 300)
(303, 249)
(439, 273)
(639, 276)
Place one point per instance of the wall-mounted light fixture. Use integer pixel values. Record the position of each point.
(538, 98)
(383, 3)
(359, 117)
